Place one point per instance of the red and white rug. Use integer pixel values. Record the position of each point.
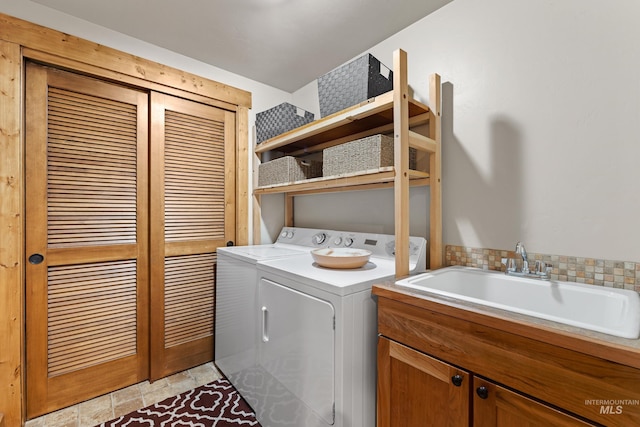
(217, 404)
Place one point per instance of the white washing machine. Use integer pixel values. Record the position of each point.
(236, 318)
(316, 362)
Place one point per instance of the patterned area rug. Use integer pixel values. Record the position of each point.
(216, 404)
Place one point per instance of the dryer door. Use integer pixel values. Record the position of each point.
(297, 343)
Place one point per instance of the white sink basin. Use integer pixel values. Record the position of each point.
(612, 311)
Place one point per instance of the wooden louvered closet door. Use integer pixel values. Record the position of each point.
(192, 214)
(86, 238)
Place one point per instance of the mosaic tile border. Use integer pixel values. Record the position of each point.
(592, 271)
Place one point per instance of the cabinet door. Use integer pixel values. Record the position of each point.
(495, 406)
(192, 214)
(415, 390)
(86, 238)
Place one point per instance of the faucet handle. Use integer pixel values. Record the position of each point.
(509, 263)
(542, 268)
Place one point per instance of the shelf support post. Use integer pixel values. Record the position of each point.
(257, 200)
(288, 210)
(436, 252)
(401, 161)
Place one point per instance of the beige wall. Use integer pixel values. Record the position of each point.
(541, 123)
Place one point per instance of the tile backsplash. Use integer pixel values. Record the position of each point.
(601, 272)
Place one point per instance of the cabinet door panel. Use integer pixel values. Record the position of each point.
(417, 390)
(504, 408)
(87, 238)
(192, 214)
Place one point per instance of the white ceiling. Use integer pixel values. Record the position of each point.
(282, 43)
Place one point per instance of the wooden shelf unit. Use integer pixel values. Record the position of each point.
(395, 112)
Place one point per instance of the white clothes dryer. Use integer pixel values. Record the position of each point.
(316, 362)
(236, 320)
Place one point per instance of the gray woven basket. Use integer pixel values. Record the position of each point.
(280, 119)
(287, 169)
(353, 83)
(372, 152)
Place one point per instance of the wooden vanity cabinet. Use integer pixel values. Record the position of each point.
(510, 373)
(417, 390)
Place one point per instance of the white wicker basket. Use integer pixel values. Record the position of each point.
(372, 152)
(287, 169)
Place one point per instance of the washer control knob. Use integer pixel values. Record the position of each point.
(289, 234)
(319, 238)
(284, 234)
(337, 241)
(348, 241)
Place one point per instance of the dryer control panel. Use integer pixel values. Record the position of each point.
(380, 245)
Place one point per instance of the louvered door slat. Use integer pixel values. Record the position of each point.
(81, 117)
(188, 305)
(80, 345)
(71, 151)
(193, 150)
(113, 142)
(81, 171)
(88, 125)
(101, 298)
(70, 310)
(71, 363)
(196, 184)
(97, 166)
(76, 334)
(65, 177)
(196, 288)
(202, 138)
(90, 101)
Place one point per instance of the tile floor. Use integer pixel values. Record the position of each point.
(120, 402)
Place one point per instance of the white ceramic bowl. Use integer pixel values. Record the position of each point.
(341, 257)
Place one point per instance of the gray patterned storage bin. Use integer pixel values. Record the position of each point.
(372, 152)
(287, 169)
(280, 119)
(353, 83)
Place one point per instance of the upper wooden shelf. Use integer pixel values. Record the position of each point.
(368, 118)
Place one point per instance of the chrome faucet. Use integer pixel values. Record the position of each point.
(520, 250)
(542, 270)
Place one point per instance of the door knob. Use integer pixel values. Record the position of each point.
(482, 392)
(36, 259)
(457, 380)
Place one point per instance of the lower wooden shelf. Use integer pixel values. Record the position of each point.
(381, 178)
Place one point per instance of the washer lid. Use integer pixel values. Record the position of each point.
(258, 252)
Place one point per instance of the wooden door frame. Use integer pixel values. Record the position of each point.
(21, 40)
